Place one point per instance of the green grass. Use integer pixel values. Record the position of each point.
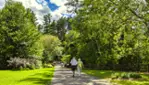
(105, 74)
(26, 77)
(143, 81)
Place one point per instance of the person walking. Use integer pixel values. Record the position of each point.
(79, 66)
(73, 63)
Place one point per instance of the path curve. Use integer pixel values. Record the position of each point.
(63, 76)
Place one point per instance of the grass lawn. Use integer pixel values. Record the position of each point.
(27, 77)
(103, 74)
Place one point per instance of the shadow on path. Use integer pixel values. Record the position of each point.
(63, 76)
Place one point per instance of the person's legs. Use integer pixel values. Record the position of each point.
(79, 71)
(73, 71)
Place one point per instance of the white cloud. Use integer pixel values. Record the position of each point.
(41, 8)
(58, 13)
(2, 3)
(38, 9)
(58, 2)
(61, 11)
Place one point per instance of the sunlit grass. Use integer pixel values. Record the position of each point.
(27, 77)
(106, 74)
(103, 74)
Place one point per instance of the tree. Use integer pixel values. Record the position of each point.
(52, 48)
(56, 28)
(112, 32)
(19, 33)
(47, 24)
(61, 28)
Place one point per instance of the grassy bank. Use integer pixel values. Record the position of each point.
(104, 74)
(27, 77)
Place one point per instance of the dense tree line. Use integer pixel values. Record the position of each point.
(110, 34)
(105, 34)
(57, 28)
(21, 44)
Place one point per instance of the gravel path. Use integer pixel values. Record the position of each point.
(63, 76)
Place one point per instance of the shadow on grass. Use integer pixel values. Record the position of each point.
(41, 81)
(40, 78)
(99, 73)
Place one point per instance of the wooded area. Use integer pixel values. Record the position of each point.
(105, 34)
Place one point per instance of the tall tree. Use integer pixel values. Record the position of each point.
(19, 32)
(112, 32)
(57, 28)
(61, 28)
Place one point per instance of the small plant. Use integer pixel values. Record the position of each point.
(21, 68)
(115, 75)
(47, 66)
(135, 76)
(125, 75)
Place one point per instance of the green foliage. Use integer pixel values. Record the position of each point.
(112, 34)
(107, 74)
(135, 75)
(47, 65)
(23, 63)
(56, 28)
(18, 33)
(126, 75)
(52, 48)
(61, 28)
(115, 75)
(66, 59)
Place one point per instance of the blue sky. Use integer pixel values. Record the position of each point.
(51, 5)
(56, 8)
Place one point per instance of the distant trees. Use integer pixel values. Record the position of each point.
(57, 28)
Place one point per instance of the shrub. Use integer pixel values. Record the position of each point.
(23, 63)
(135, 75)
(38, 64)
(47, 66)
(21, 68)
(115, 75)
(17, 63)
(125, 76)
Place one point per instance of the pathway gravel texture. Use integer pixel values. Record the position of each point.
(63, 76)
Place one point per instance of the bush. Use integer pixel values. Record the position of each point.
(23, 63)
(125, 76)
(21, 68)
(135, 75)
(38, 64)
(47, 66)
(115, 75)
